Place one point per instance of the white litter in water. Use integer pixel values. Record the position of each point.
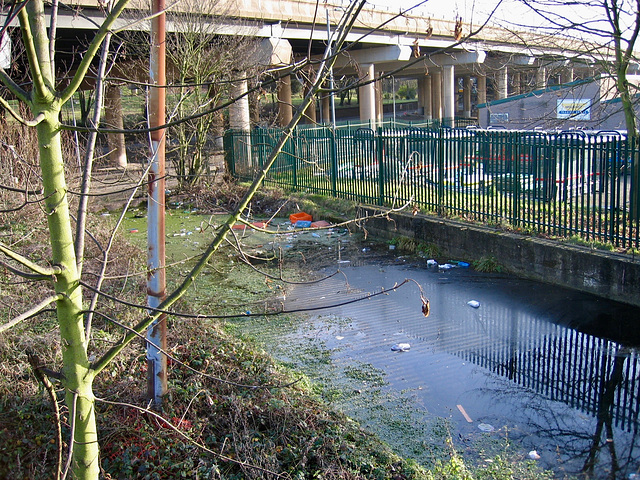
(485, 427)
(534, 455)
(401, 347)
(339, 337)
(473, 303)
(431, 262)
(446, 266)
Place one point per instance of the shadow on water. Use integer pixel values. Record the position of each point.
(558, 371)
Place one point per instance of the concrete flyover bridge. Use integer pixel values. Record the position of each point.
(455, 71)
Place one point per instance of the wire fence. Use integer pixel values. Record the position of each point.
(561, 184)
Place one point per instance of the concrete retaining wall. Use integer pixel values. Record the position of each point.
(610, 275)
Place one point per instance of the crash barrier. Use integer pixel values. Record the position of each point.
(559, 183)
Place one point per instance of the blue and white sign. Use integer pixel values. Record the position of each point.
(574, 108)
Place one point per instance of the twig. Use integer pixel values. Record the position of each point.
(31, 312)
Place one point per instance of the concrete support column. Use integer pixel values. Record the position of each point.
(541, 77)
(516, 81)
(502, 82)
(285, 110)
(448, 86)
(239, 119)
(379, 104)
(367, 94)
(421, 99)
(239, 110)
(567, 75)
(482, 89)
(310, 112)
(326, 109)
(113, 119)
(436, 97)
(427, 95)
(466, 96)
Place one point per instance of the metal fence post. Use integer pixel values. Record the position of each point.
(229, 159)
(334, 162)
(380, 157)
(440, 160)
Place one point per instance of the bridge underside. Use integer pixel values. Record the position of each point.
(452, 78)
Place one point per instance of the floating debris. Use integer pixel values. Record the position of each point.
(401, 347)
(485, 427)
(473, 303)
(533, 455)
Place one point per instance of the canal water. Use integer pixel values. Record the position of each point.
(550, 372)
(554, 371)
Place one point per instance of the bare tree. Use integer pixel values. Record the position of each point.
(203, 62)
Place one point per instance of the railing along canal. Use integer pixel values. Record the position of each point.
(560, 184)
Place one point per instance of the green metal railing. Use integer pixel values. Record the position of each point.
(560, 184)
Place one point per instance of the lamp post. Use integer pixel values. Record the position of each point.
(332, 100)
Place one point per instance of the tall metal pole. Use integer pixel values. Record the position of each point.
(156, 280)
(332, 100)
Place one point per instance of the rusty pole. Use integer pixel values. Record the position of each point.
(156, 281)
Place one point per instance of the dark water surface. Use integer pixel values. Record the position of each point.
(556, 370)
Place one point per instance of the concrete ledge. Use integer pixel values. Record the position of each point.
(610, 275)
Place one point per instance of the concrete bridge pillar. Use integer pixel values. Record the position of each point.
(567, 75)
(367, 95)
(482, 89)
(113, 119)
(310, 112)
(502, 77)
(421, 100)
(428, 101)
(436, 97)
(285, 109)
(516, 81)
(448, 86)
(541, 77)
(466, 96)
(240, 119)
(379, 102)
(325, 112)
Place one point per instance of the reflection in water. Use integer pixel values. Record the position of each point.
(595, 375)
(519, 333)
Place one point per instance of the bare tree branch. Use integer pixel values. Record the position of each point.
(31, 312)
(25, 262)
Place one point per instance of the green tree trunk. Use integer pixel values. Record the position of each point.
(77, 376)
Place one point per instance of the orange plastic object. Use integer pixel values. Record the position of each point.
(321, 224)
(300, 216)
(242, 226)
